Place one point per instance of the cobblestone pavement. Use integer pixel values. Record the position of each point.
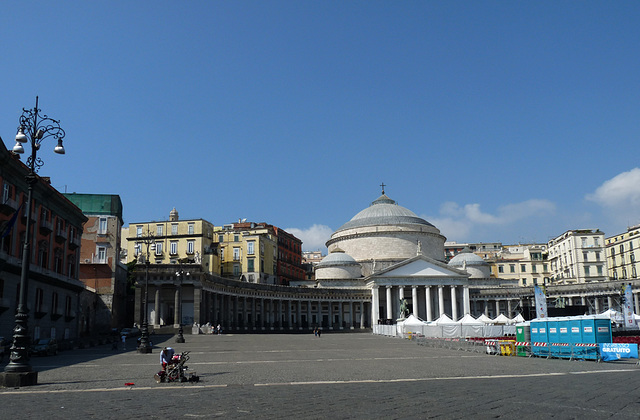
(340, 376)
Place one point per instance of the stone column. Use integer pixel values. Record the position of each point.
(497, 307)
(486, 307)
(245, 324)
(414, 300)
(352, 321)
(197, 306)
(427, 298)
(596, 301)
(288, 314)
(466, 300)
(362, 315)
(254, 315)
(454, 304)
(280, 322)
(299, 314)
(157, 306)
(609, 302)
(583, 301)
(441, 300)
(375, 305)
(263, 314)
(330, 314)
(176, 308)
(340, 314)
(309, 323)
(509, 309)
(389, 304)
(236, 312)
(319, 313)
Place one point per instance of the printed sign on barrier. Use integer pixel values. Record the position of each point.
(616, 351)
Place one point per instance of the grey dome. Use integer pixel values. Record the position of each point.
(384, 211)
(466, 258)
(337, 257)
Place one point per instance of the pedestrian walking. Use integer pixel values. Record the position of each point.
(124, 342)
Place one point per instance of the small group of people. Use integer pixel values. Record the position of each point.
(216, 330)
(317, 331)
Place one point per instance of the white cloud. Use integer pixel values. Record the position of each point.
(462, 222)
(621, 190)
(313, 238)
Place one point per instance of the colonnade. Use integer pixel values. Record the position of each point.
(427, 302)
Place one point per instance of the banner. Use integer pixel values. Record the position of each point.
(541, 303)
(617, 351)
(627, 310)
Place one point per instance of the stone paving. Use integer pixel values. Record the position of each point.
(344, 376)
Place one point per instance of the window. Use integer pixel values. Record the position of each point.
(544, 267)
(523, 268)
(159, 230)
(524, 282)
(173, 250)
(621, 248)
(158, 248)
(174, 228)
(512, 268)
(236, 238)
(632, 257)
(221, 254)
(596, 242)
(138, 231)
(67, 307)
(6, 192)
(54, 303)
(500, 269)
(584, 242)
(585, 256)
(191, 228)
(533, 268)
(191, 245)
(250, 249)
(236, 270)
(101, 253)
(220, 238)
(615, 274)
(137, 248)
(250, 264)
(586, 271)
(634, 273)
(39, 299)
(236, 254)
(613, 252)
(597, 256)
(102, 226)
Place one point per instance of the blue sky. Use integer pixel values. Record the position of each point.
(496, 120)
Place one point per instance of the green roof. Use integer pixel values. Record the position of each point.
(97, 204)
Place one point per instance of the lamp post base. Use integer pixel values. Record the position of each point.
(18, 379)
(144, 349)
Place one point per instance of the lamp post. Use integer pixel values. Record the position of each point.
(180, 273)
(34, 128)
(145, 346)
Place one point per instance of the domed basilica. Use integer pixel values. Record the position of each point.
(400, 257)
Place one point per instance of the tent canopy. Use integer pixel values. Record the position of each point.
(412, 320)
(468, 319)
(485, 319)
(444, 320)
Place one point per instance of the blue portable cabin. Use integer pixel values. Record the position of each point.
(595, 330)
(575, 334)
(539, 334)
(564, 337)
(554, 336)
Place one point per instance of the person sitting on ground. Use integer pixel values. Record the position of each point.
(166, 355)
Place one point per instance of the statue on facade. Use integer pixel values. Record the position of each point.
(404, 309)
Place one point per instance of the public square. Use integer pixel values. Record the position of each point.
(339, 375)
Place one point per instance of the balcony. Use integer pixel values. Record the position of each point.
(45, 227)
(8, 206)
(55, 315)
(61, 235)
(74, 242)
(41, 311)
(4, 304)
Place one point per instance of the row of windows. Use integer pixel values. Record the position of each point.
(157, 248)
(523, 268)
(160, 229)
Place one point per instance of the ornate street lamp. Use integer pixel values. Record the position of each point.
(34, 128)
(145, 346)
(180, 273)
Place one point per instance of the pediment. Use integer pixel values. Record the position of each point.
(420, 267)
